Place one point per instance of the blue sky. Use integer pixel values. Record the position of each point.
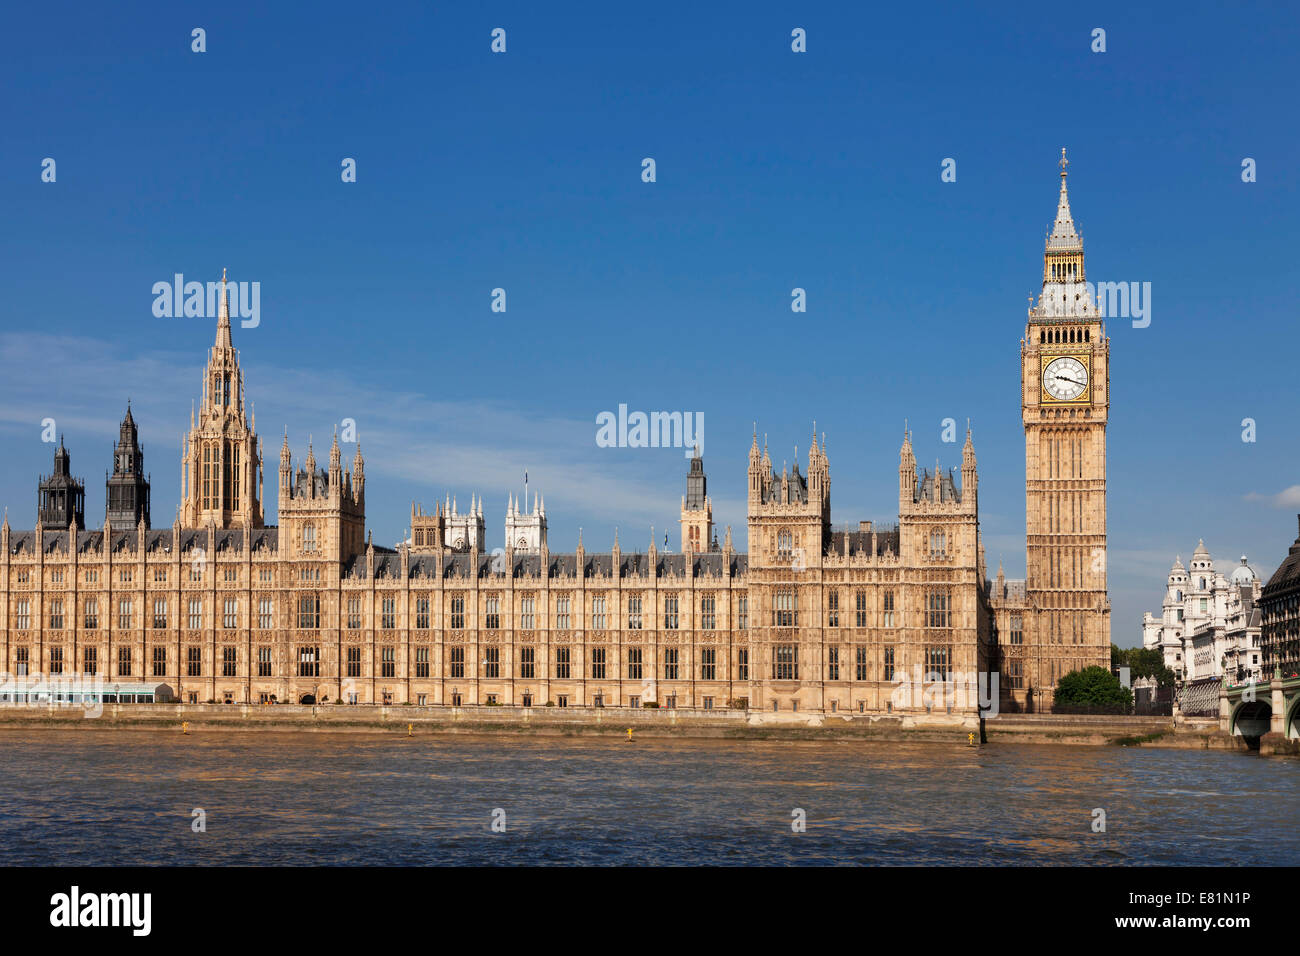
(775, 170)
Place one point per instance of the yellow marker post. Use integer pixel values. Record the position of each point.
(409, 728)
(185, 726)
(629, 734)
(970, 738)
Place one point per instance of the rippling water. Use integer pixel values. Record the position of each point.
(93, 797)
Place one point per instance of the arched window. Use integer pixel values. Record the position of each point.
(938, 543)
(206, 496)
(784, 545)
(785, 613)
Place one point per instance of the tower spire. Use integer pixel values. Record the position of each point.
(1065, 292)
(1063, 229)
(223, 316)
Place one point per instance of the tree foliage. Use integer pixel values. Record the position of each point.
(1091, 686)
(1142, 662)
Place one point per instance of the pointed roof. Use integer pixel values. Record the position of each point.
(223, 316)
(1201, 551)
(1064, 235)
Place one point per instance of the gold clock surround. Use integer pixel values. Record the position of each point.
(1084, 359)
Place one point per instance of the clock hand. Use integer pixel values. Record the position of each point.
(1062, 378)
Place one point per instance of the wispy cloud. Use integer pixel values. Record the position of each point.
(1286, 498)
(428, 445)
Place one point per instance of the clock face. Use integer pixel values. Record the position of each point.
(1065, 379)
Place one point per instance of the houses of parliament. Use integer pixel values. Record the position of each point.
(812, 618)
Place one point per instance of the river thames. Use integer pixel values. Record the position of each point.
(97, 798)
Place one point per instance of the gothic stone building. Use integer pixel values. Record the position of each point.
(222, 607)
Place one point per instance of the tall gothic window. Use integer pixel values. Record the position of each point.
(785, 662)
(233, 482)
(708, 612)
(785, 613)
(207, 476)
(784, 546)
(670, 612)
(938, 609)
(938, 544)
(225, 474)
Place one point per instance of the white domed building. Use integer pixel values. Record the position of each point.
(1208, 630)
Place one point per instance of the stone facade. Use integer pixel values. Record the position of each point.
(814, 617)
(222, 608)
(1063, 606)
(1209, 625)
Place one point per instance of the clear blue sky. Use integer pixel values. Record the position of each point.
(775, 170)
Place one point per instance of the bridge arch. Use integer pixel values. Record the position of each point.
(1291, 722)
(1250, 719)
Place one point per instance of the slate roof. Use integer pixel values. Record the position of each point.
(155, 539)
(598, 565)
(859, 542)
(948, 490)
(798, 487)
(1013, 592)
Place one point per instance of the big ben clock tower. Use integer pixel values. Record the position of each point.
(1065, 399)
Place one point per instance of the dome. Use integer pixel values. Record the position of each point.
(1243, 573)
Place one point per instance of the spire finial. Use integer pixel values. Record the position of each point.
(223, 315)
(1064, 162)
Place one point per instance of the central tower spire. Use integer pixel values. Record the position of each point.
(223, 316)
(221, 468)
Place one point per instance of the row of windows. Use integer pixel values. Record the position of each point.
(125, 661)
(1063, 336)
(785, 612)
(785, 663)
(126, 614)
(196, 568)
(564, 618)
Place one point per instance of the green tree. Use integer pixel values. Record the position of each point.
(1091, 686)
(1150, 662)
(1142, 662)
